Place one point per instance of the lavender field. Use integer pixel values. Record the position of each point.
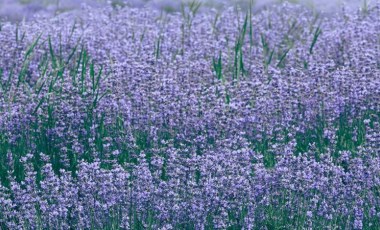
(119, 117)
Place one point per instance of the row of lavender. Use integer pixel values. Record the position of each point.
(134, 118)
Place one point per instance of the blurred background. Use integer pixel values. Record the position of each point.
(16, 10)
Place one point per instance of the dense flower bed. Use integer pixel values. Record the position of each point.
(139, 119)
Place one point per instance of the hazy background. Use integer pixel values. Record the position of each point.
(19, 9)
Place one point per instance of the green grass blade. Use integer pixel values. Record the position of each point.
(317, 32)
(38, 106)
(32, 46)
(52, 55)
(282, 58)
(25, 63)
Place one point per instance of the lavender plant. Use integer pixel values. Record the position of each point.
(124, 118)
